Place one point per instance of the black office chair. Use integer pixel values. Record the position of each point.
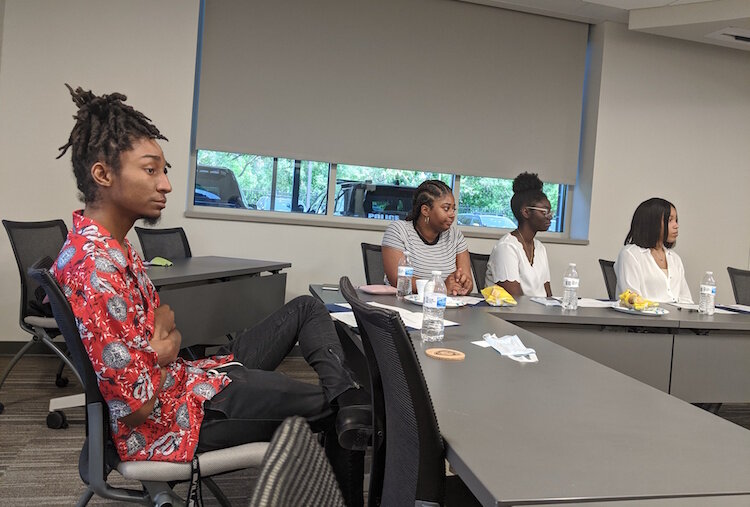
(610, 278)
(408, 457)
(170, 244)
(30, 241)
(740, 279)
(372, 258)
(295, 470)
(99, 457)
(479, 268)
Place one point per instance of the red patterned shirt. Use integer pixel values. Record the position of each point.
(114, 301)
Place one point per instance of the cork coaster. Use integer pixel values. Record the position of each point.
(446, 354)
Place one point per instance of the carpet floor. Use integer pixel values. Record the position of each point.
(39, 466)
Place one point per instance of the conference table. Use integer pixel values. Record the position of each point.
(698, 358)
(212, 296)
(567, 429)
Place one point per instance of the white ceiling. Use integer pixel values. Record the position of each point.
(706, 21)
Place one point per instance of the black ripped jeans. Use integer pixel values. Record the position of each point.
(258, 399)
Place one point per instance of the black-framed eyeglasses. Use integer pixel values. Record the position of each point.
(545, 211)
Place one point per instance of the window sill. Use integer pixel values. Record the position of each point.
(339, 222)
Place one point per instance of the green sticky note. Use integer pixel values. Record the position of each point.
(160, 261)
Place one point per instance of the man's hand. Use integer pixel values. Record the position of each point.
(163, 322)
(458, 283)
(167, 339)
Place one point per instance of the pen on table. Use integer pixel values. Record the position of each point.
(327, 287)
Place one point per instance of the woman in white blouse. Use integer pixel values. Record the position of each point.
(646, 263)
(518, 262)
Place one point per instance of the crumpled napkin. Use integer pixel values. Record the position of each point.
(497, 296)
(511, 346)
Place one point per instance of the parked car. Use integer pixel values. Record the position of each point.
(217, 186)
(479, 220)
(370, 200)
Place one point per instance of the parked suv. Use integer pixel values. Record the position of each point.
(217, 186)
(370, 200)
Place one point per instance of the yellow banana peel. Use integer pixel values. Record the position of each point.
(497, 296)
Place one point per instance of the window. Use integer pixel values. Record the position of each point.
(485, 202)
(286, 185)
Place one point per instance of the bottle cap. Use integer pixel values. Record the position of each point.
(572, 264)
(709, 273)
(437, 272)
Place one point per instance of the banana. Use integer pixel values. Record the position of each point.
(631, 299)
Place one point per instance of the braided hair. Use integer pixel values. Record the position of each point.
(426, 193)
(527, 189)
(105, 127)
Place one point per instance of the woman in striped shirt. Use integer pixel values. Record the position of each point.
(431, 240)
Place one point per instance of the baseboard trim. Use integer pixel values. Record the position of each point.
(12, 348)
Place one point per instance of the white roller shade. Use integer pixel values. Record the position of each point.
(414, 84)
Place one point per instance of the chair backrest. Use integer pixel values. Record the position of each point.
(610, 278)
(479, 268)
(372, 257)
(740, 279)
(295, 470)
(404, 419)
(98, 456)
(30, 242)
(172, 244)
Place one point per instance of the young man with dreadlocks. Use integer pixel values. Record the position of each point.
(162, 407)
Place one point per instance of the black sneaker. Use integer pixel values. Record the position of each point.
(354, 427)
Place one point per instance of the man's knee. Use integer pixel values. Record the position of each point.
(308, 304)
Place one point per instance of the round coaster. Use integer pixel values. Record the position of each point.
(446, 354)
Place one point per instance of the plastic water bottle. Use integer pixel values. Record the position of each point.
(405, 274)
(708, 294)
(570, 288)
(433, 308)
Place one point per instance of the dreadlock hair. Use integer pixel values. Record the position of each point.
(527, 189)
(650, 224)
(105, 127)
(426, 193)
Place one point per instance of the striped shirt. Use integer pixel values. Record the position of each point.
(425, 258)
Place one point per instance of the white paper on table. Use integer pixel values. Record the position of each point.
(511, 346)
(482, 344)
(345, 317)
(411, 319)
(595, 303)
(469, 300)
(546, 301)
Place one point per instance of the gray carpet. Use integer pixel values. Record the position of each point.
(39, 466)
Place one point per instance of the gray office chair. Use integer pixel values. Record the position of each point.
(31, 241)
(479, 268)
(610, 278)
(295, 470)
(171, 243)
(372, 258)
(740, 279)
(408, 454)
(99, 457)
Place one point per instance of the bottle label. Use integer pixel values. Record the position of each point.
(405, 271)
(570, 283)
(433, 300)
(708, 289)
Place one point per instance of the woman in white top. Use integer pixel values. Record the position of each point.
(647, 264)
(518, 262)
(433, 244)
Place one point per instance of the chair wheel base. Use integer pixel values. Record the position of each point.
(56, 420)
(61, 381)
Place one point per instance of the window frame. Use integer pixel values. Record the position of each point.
(330, 220)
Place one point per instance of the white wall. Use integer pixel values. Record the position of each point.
(671, 122)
